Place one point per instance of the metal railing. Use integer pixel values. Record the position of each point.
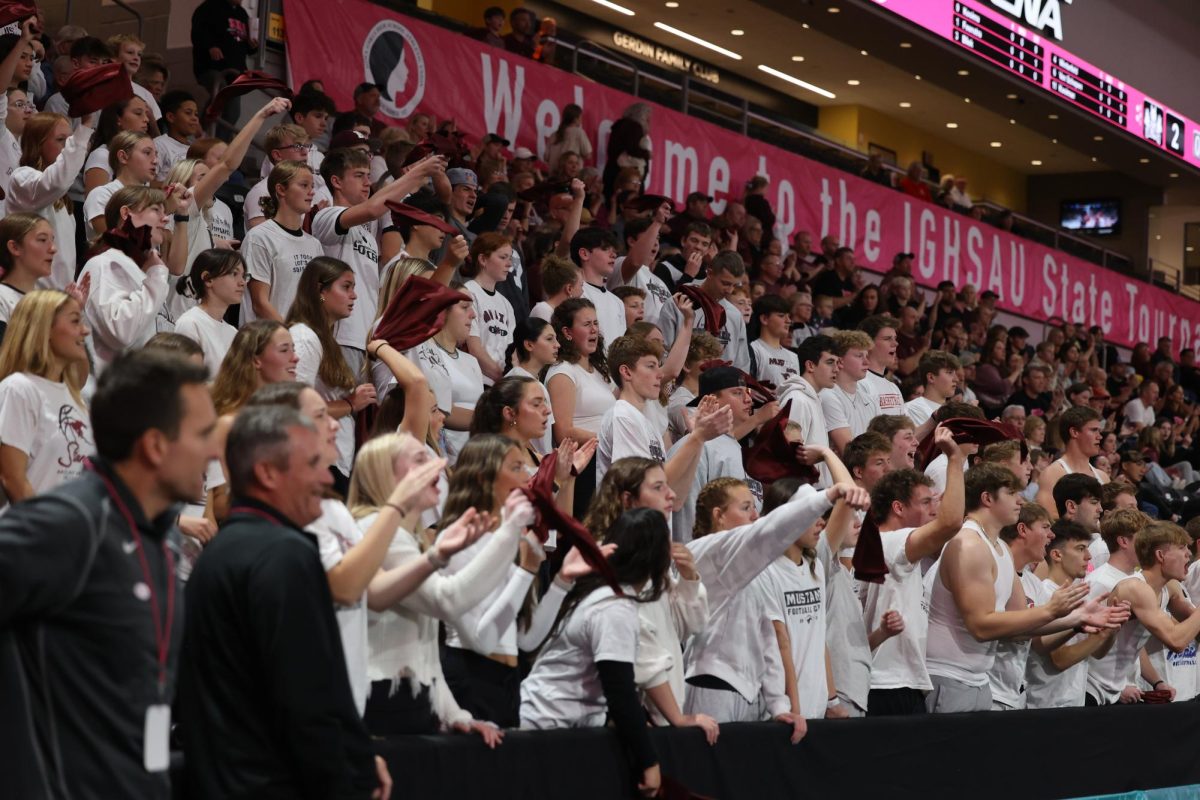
(125, 6)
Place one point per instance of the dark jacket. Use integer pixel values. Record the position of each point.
(265, 707)
(78, 655)
(220, 23)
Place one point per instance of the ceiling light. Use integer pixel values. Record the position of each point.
(804, 25)
(1011, 96)
(1012, 122)
(1143, 161)
(1054, 141)
(852, 82)
(964, 72)
(1036, 163)
(1094, 159)
(864, 52)
(997, 144)
(696, 40)
(905, 104)
(1054, 116)
(783, 76)
(1158, 237)
(797, 58)
(1190, 249)
(614, 7)
(833, 9)
(906, 45)
(1173, 175)
(951, 124)
(918, 77)
(737, 32)
(672, 4)
(1097, 138)
(966, 99)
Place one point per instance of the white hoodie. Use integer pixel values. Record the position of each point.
(806, 412)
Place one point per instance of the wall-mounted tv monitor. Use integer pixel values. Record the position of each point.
(1100, 217)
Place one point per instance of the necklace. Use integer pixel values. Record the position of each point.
(452, 353)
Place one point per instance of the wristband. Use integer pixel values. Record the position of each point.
(1156, 683)
(377, 349)
(397, 508)
(181, 218)
(833, 701)
(436, 560)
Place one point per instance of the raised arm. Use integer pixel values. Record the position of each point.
(1144, 605)
(375, 206)
(571, 226)
(929, 539)
(206, 189)
(414, 383)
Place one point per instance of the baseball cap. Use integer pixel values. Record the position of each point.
(491, 137)
(349, 138)
(694, 196)
(896, 259)
(522, 153)
(717, 379)
(460, 176)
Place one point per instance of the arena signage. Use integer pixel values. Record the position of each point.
(662, 55)
(484, 89)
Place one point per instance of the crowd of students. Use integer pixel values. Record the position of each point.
(427, 452)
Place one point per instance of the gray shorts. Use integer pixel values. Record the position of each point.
(950, 696)
(723, 705)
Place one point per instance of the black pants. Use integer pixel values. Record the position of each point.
(585, 487)
(491, 691)
(895, 702)
(399, 712)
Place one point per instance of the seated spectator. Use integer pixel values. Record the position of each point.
(1033, 396)
(152, 76)
(493, 23)
(875, 172)
(771, 323)
(521, 39)
(684, 266)
(864, 304)
(128, 115)
(913, 183)
(836, 283)
(217, 281)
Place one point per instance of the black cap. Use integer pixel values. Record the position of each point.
(491, 137)
(896, 259)
(716, 379)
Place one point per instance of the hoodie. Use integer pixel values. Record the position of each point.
(807, 413)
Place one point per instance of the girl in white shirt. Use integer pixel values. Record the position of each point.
(453, 373)
(211, 151)
(128, 115)
(27, 251)
(277, 251)
(45, 433)
(324, 297)
(580, 390)
(132, 158)
(51, 157)
(217, 280)
(492, 329)
(125, 295)
(533, 350)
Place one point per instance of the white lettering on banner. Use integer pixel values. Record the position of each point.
(521, 100)
(502, 98)
(682, 165)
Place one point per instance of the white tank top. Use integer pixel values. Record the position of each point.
(1109, 675)
(1097, 474)
(951, 651)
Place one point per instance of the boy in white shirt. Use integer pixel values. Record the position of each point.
(820, 367)
(884, 395)
(560, 281)
(634, 300)
(939, 373)
(632, 269)
(594, 251)
(181, 116)
(846, 406)
(772, 360)
(725, 273)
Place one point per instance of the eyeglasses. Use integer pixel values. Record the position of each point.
(303, 148)
(23, 104)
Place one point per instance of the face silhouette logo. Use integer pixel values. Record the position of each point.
(392, 60)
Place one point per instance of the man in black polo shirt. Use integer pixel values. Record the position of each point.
(91, 616)
(838, 282)
(264, 697)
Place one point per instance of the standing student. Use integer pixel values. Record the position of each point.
(847, 404)
(936, 469)
(45, 431)
(560, 281)
(324, 297)
(533, 350)
(901, 432)
(217, 281)
(27, 251)
(261, 614)
(285, 142)
(131, 114)
(884, 396)
(492, 328)
(277, 251)
(51, 157)
(182, 119)
(633, 269)
(868, 459)
(128, 49)
(126, 295)
(218, 217)
(594, 251)
(580, 390)
(634, 300)
(1079, 427)
(703, 347)
(132, 158)
(938, 371)
(95, 720)
(818, 372)
(13, 102)
(724, 274)
(772, 360)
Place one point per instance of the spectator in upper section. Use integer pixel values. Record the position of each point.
(628, 145)
(913, 184)
(875, 171)
(493, 23)
(220, 44)
(522, 39)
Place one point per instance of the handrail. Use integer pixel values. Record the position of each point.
(122, 4)
(608, 56)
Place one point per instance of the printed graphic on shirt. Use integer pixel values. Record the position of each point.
(659, 291)
(1183, 660)
(300, 261)
(365, 247)
(756, 489)
(431, 357)
(497, 322)
(392, 61)
(783, 366)
(722, 335)
(74, 432)
(890, 401)
(805, 604)
(656, 452)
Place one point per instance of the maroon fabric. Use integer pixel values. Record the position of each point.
(451, 145)
(133, 241)
(419, 217)
(413, 315)
(549, 517)
(16, 12)
(868, 561)
(967, 430)
(772, 456)
(714, 313)
(761, 392)
(95, 88)
(247, 82)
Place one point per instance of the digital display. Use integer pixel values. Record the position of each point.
(1099, 217)
(1042, 62)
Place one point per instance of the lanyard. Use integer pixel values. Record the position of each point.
(254, 512)
(162, 628)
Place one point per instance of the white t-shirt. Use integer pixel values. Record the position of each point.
(456, 381)
(98, 159)
(774, 364)
(720, 458)
(546, 443)
(309, 351)
(10, 152)
(1007, 675)
(359, 247)
(679, 413)
(936, 472)
(9, 297)
(884, 396)
(657, 293)
(900, 661)
(843, 410)
(1119, 668)
(919, 409)
(1136, 411)
(95, 202)
(144, 93)
(542, 311)
(1045, 685)
(252, 208)
(276, 256)
(593, 394)
(610, 312)
(43, 421)
(563, 688)
(123, 304)
(219, 220)
(845, 633)
(213, 335)
(735, 345)
(626, 431)
(337, 531)
(170, 152)
(494, 323)
(794, 595)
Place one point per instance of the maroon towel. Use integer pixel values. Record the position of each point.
(967, 430)
(247, 82)
(868, 561)
(95, 88)
(541, 493)
(413, 315)
(714, 312)
(18, 11)
(772, 456)
(132, 241)
(415, 215)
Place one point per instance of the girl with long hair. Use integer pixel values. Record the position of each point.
(570, 136)
(492, 330)
(125, 296)
(580, 389)
(277, 248)
(585, 673)
(534, 348)
(133, 160)
(217, 280)
(864, 304)
(324, 297)
(44, 430)
(409, 693)
(132, 114)
(27, 251)
(51, 157)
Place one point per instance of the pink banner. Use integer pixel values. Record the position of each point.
(421, 66)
